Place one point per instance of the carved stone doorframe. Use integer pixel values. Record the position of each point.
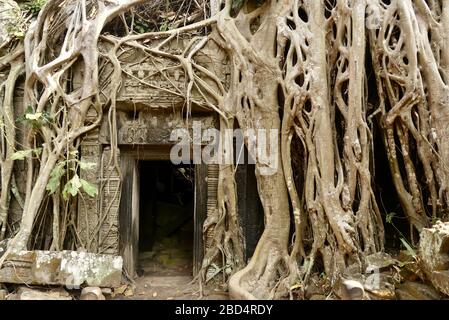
(129, 203)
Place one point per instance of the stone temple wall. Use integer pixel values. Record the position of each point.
(150, 104)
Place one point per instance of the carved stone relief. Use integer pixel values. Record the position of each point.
(152, 126)
(161, 82)
(88, 214)
(110, 189)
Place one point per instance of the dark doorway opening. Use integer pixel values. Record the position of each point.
(249, 207)
(166, 218)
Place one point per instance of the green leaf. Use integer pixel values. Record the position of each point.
(22, 118)
(76, 182)
(33, 6)
(409, 248)
(52, 185)
(72, 187)
(22, 154)
(89, 188)
(55, 177)
(164, 27)
(37, 151)
(35, 119)
(390, 216)
(33, 116)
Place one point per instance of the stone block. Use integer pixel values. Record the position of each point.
(434, 255)
(68, 268)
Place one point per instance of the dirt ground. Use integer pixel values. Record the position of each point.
(166, 274)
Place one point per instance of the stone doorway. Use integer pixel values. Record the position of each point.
(205, 184)
(166, 218)
(153, 191)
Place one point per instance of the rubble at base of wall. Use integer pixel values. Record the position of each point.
(67, 268)
(434, 255)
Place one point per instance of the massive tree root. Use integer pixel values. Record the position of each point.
(14, 62)
(336, 198)
(46, 92)
(410, 59)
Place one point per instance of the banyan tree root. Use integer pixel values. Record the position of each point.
(67, 104)
(410, 58)
(13, 64)
(297, 75)
(79, 24)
